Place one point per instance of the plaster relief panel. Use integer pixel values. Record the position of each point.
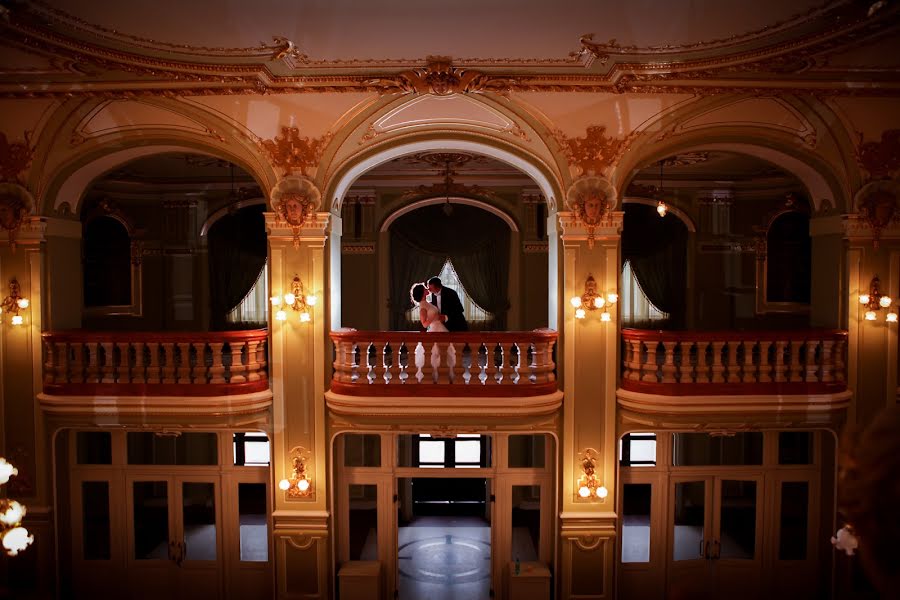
(621, 114)
(131, 114)
(442, 110)
(313, 114)
(766, 112)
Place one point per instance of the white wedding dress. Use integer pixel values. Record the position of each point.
(433, 317)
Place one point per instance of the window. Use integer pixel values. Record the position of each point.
(254, 307)
(637, 450)
(251, 449)
(634, 305)
(471, 310)
(107, 263)
(465, 451)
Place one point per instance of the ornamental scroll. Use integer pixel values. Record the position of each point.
(591, 199)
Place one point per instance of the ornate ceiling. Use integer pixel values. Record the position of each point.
(271, 46)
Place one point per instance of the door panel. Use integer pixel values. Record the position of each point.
(736, 554)
(198, 537)
(150, 529)
(690, 533)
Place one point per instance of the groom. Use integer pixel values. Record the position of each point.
(448, 303)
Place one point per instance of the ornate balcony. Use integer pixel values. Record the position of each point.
(754, 373)
(153, 365)
(370, 366)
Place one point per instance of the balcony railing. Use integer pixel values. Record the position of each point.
(155, 363)
(681, 363)
(400, 363)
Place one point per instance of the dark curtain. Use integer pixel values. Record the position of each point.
(657, 250)
(237, 252)
(475, 241)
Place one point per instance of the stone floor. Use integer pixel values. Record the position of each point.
(445, 558)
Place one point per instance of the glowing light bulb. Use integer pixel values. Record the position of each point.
(311, 300)
(662, 209)
(599, 301)
(575, 301)
(13, 514)
(602, 492)
(289, 299)
(885, 301)
(891, 317)
(16, 540)
(17, 320)
(284, 485)
(584, 491)
(612, 298)
(579, 314)
(23, 302)
(304, 317)
(303, 485)
(863, 298)
(870, 315)
(281, 316)
(6, 471)
(276, 300)
(605, 316)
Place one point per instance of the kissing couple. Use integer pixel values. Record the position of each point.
(441, 311)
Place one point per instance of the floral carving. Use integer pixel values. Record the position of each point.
(591, 199)
(292, 152)
(594, 153)
(877, 205)
(15, 206)
(880, 159)
(15, 157)
(441, 78)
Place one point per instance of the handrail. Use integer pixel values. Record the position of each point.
(124, 363)
(489, 363)
(679, 363)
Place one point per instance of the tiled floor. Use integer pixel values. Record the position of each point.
(445, 558)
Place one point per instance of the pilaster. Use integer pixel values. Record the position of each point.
(298, 357)
(590, 372)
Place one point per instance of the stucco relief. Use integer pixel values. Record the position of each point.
(591, 199)
(295, 200)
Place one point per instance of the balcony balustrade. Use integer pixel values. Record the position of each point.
(687, 363)
(404, 363)
(80, 363)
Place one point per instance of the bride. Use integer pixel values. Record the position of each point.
(429, 315)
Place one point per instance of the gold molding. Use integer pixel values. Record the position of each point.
(441, 78)
(881, 159)
(592, 199)
(294, 153)
(595, 153)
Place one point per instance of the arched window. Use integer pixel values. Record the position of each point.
(473, 313)
(254, 307)
(636, 308)
(107, 263)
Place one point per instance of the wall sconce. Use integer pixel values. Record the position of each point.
(591, 300)
(875, 301)
(298, 299)
(15, 538)
(588, 486)
(15, 302)
(299, 485)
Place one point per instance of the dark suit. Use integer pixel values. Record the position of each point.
(453, 308)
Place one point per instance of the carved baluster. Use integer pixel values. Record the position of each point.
(467, 363)
(634, 360)
(123, 371)
(76, 366)
(668, 367)
(492, 374)
(138, 370)
(748, 371)
(261, 359)
(50, 361)
(650, 367)
(828, 363)
(93, 366)
(252, 365)
(154, 371)
(199, 370)
(765, 363)
(168, 369)
(184, 367)
(343, 362)
(107, 363)
(515, 360)
(217, 369)
(837, 359)
(237, 364)
(435, 363)
(734, 362)
(780, 367)
(718, 368)
(451, 363)
(420, 362)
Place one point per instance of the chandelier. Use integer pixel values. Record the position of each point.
(14, 536)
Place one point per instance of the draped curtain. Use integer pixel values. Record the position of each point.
(475, 241)
(657, 250)
(237, 253)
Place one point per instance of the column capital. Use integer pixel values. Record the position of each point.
(312, 231)
(575, 229)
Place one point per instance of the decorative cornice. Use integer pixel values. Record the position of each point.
(595, 153)
(440, 78)
(293, 153)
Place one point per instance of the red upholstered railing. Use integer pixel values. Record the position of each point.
(491, 363)
(682, 363)
(118, 363)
